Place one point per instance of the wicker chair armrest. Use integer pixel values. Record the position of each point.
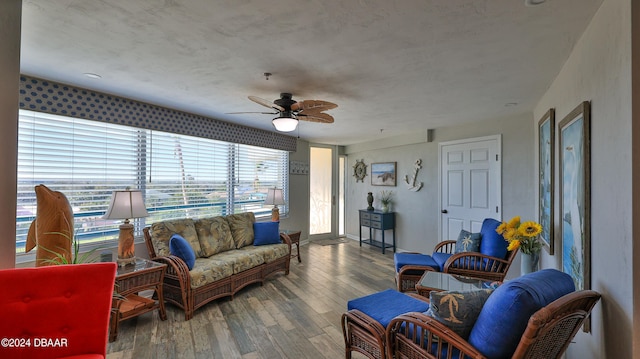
(403, 328)
(414, 268)
(286, 239)
(176, 269)
(448, 246)
(364, 322)
(418, 297)
(475, 261)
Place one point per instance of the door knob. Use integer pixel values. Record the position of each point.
(444, 211)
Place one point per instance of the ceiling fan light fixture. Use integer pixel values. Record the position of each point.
(285, 124)
(533, 2)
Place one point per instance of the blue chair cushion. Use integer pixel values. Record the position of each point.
(506, 313)
(414, 259)
(386, 305)
(179, 247)
(492, 243)
(266, 233)
(468, 242)
(441, 258)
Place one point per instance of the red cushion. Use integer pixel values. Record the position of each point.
(60, 311)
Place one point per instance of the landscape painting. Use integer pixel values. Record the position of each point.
(546, 142)
(575, 197)
(383, 174)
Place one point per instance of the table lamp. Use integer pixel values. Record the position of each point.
(125, 205)
(274, 198)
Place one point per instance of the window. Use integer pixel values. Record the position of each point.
(180, 176)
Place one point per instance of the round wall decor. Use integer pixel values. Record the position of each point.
(359, 170)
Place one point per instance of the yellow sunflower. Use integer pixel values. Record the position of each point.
(501, 228)
(514, 222)
(513, 245)
(510, 233)
(529, 229)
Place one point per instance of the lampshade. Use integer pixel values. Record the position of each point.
(125, 205)
(274, 197)
(285, 124)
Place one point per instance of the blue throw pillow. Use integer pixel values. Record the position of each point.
(458, 310)
(180, 248)
(468, 242)
(265, 233)
(492, 243)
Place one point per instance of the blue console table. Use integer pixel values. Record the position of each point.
(378, 220)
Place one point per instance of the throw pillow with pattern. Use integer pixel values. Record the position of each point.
(458, 310)
(468, 242)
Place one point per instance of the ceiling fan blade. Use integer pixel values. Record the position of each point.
(264, 113)
(313, 106)
(315, 117)
(266, 103)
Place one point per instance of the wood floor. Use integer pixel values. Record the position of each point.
(290, 316)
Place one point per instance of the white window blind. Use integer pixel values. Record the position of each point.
(180, 176)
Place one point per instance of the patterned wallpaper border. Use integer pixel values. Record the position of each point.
(60, 99)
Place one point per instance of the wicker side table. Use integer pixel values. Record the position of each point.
(294, 235)
(130, 280)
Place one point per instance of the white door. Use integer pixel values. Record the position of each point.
(470, 183)
(322, 199)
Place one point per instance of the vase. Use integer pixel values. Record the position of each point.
(370, 201)
(529, 263)
(385, 208)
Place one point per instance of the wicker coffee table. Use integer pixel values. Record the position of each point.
(438, 281)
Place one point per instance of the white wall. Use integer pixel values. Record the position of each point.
(599, 70)
(298, 216)
(10, 18)
(418, 213)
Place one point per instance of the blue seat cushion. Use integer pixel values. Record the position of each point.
(441, 258)
(492, 243)
(414, 259)
(386, 305)
(506, 312)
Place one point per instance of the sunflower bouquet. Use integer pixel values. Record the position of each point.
(523, 235)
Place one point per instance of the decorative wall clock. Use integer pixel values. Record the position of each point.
(359, 170)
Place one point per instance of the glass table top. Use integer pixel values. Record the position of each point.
(449, 282)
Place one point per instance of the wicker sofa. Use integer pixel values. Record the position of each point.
(225, 258)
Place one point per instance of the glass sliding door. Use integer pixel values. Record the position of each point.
(321, 193)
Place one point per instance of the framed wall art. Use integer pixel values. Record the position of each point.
(546, 144)
(383, 174)
(575, 197)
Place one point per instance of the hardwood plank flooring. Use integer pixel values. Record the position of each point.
(290, 316)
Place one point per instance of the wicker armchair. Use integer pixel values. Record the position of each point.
(547, 335)
(411, 266)
(363, 326)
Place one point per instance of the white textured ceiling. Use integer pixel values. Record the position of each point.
(399, 66)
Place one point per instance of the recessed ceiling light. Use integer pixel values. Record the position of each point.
(92, 75)
(533, 2)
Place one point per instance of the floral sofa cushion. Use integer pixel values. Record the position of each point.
(214, 235)
(269, 252)
(241, 225)
(161, 233)
(209, 270)
(240, 260)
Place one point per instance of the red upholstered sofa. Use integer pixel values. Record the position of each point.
(56, 311)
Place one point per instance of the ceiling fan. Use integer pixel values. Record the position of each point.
(289, 111)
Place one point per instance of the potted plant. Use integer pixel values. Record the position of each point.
(386, 199)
